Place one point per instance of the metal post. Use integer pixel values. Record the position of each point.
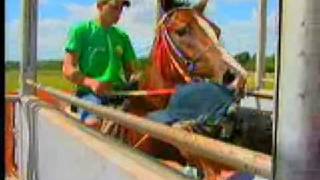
(275, 112)
(29, 45)
(298, 135)
(262, 35)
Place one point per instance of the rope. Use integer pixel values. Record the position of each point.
(145, 137)
(143, 92)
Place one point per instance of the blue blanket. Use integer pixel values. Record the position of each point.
(202, 101)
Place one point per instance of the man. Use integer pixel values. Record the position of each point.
(99, 57)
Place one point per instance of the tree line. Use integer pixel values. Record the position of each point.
(244, 58)
(249, 62)
(44, 64)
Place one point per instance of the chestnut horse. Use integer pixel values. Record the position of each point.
(186, 48)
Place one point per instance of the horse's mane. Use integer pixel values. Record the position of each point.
(168, 5)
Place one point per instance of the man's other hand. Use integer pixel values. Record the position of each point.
(97, 87)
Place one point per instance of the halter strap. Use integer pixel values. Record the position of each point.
(185, 76)
(189, 62)
(160, 26)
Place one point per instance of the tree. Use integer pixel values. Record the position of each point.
(243, 58)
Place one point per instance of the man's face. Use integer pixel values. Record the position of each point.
(111, 10)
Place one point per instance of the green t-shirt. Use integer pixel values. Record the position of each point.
(102, 52)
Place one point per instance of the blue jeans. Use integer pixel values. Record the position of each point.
(92, 98)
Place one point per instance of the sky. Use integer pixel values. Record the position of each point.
(236, 18)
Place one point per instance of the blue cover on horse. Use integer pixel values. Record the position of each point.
(202, 101)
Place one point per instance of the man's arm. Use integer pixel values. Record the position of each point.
(70, 69)
(71, 72)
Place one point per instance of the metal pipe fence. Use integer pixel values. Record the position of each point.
(236, 157)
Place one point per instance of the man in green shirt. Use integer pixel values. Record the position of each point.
(99, 57)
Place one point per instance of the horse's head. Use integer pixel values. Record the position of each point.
(187, 47)
(193, 41)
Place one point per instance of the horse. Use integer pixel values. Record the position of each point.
(186, 49)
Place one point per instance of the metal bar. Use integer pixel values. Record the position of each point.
(269, 80)
(260, 65)
(29, 45)
(236, 157)
(11, 98)
(277, 66)
(143, 92)
(298, 134)
(260, 94)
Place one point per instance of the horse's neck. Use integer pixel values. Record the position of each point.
(162, 73)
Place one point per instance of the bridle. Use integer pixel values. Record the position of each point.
(190, 62)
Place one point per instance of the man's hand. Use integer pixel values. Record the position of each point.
(135, 77)
(96, 86)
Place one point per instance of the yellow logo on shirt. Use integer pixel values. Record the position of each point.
(119, 51)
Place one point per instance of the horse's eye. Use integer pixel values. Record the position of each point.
(182, 31)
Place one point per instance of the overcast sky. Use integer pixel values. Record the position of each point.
(237, 19)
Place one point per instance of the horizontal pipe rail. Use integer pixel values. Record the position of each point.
(11, 98)
(143, 92)
(260, 94)
(157, 92)
(236, 157)
(268, 80)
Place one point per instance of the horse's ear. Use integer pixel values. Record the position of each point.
(200, 6)
(166, 5)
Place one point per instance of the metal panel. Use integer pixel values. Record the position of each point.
(21, 141)
(298, 135)
(58, 147)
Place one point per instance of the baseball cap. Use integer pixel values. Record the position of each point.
(126, 3)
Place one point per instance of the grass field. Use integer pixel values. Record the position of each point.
(51, 78)
(54, 78)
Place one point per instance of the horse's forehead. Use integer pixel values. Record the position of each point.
(183, 17)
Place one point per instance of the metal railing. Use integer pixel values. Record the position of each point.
(236, 157)
(260, 94)
(11, 98)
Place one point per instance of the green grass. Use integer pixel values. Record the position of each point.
(11, 80)
(251, 82)
(54, 78)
